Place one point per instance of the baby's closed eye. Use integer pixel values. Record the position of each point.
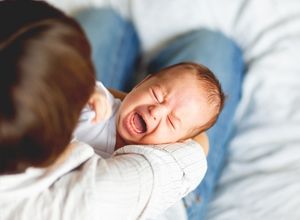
(157, 94)
(171, 122)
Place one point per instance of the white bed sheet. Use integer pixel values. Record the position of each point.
(261, 179)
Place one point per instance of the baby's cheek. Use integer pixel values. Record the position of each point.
(176, 136)
(166, 137)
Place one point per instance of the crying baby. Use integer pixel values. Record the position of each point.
(172, 105)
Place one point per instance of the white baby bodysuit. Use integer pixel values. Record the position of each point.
(102, 135)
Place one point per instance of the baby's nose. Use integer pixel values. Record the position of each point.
(157, 111)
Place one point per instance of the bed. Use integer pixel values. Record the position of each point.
(262, 177)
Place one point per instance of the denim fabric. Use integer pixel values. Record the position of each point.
(115, 52)
(115, 46)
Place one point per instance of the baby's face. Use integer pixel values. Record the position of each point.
(163, 109)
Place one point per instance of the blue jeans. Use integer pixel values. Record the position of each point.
(115, 47)
(116, 51)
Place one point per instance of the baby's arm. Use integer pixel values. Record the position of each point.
(99, 103)
(99, 108)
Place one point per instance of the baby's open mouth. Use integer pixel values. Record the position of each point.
(139, 123)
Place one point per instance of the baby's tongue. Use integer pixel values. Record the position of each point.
(139, 123)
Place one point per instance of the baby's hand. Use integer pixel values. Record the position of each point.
(101, 106)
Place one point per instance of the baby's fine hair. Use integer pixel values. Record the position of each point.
(46, 77)
(212, 87)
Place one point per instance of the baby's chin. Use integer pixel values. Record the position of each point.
(128, 141)
(122, 134)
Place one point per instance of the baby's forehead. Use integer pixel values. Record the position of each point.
(181, 81)
(183, 76)
(183, 87)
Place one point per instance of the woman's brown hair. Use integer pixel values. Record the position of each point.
(46, 77)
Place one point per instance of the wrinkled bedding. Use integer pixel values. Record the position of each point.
(261, 179)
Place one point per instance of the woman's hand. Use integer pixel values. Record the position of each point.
(202, 139)
(100, 105)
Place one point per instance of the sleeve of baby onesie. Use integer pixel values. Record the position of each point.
(151, 178)
(87, 114)
(94, 134)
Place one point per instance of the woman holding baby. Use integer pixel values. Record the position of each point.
(47, 77)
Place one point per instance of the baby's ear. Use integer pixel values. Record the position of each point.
(144, 80)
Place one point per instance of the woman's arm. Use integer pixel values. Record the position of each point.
(140, 182)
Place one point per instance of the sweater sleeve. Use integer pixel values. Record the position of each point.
(143, 181)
